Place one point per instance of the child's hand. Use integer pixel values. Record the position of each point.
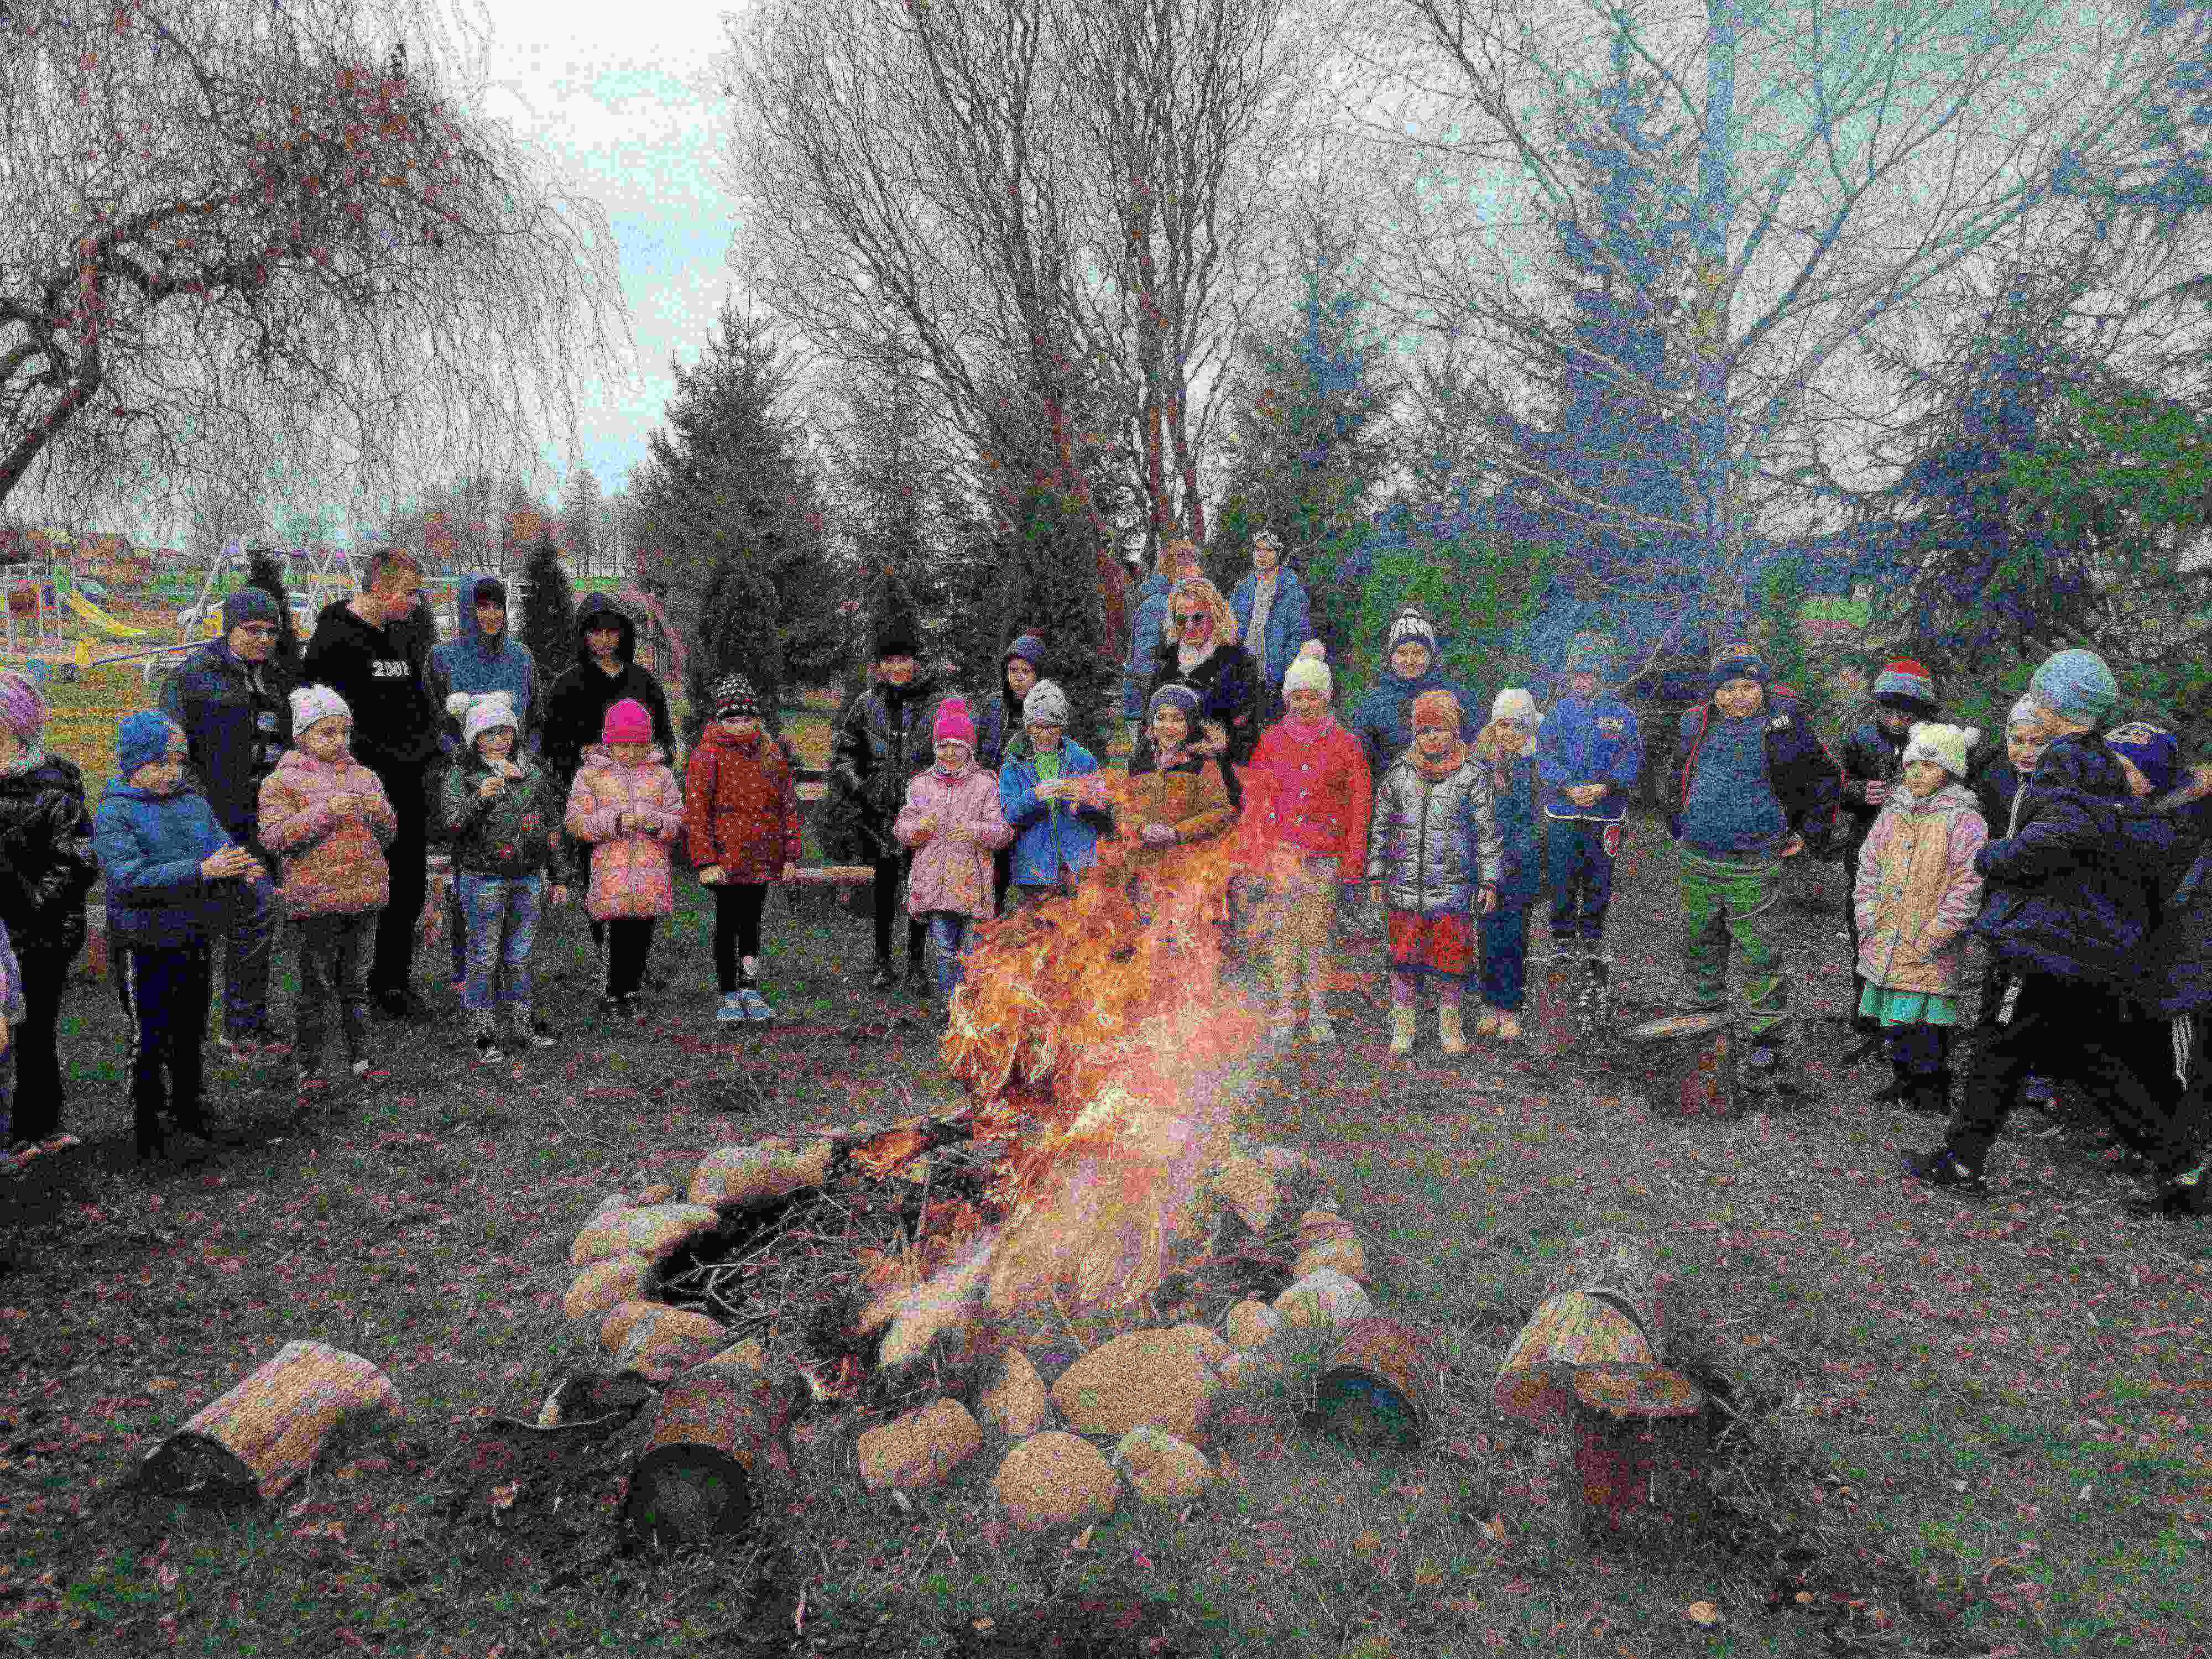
(1158, 834)
(1877, 791)
(625, 824)
(711, 876)
(1586, 794)
(791, 872)
(226, 863)
(3, 1034)
(1793, 846)
(490, 786)
(559, 894)
(1486, 900)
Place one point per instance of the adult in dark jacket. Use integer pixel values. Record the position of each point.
(1274, 621)
(2072, 895)
(46, 867)
(231, 698)
(373, 650)
(1873, 757)
(483, 657)
(885, 737)
(1148, 623)
(998, 723)
(1383, 721)
(1203, 653)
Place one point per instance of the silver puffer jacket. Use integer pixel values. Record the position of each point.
(1433, 844)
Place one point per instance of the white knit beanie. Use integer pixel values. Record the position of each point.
(1947, 745)
(1046, 704)
(485, 714)
(1309, 674)
(311, 703)
(1513, 704)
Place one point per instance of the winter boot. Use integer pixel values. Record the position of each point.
(1902, 1087)
(1449, 1030)
(1485, 1023)
(1401, 1029)
(2187, 1192)
(1939, 1166)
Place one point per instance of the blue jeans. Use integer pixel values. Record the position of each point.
(948, 934)
(1504, 935)
(1581, 871)
(503, 913)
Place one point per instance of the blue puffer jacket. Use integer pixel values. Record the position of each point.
(1049, 836)
(1145, 645)
(1290, 625)
(2073, 892)
(1593, 740)
(1383, 721)
(1515, 808)
(469, 662)
(151, 847)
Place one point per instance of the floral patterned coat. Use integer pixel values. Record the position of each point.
(629, 871)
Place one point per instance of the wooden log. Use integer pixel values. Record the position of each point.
(1557, 1018)
(256, 1439)
(1690, 1060)
(1630, 1422)
(835, 875)
(1602, 1306)
(719, 1433)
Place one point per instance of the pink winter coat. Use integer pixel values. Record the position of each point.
(949, 874)
(1916, 891)
(332, 857)
(630, 872)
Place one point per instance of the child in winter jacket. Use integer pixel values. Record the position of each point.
(2073, 898)
(1589, 756)
(1874, 757)
(167, 861)
(952, 821)
(326, 816)
(1757, 788)
(741, 826)
(1306, 808)
(501, 811)
(1177, 797)
(1915, 894)
(12, 1156)
(1045, 801)
(1509, 747)
(46, 867)
(1433, 847)
(626, 807)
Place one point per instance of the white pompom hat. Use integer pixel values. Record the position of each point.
(1947, 745)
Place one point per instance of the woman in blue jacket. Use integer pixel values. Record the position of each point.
(1274, 620)
(1055, 838)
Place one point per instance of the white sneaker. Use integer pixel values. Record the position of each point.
(488, 1052)
(731, 1010)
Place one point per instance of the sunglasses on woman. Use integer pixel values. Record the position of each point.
(1182, 618)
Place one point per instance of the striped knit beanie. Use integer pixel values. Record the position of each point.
(1906, 687)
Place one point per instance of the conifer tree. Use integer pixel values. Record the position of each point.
(548, 611)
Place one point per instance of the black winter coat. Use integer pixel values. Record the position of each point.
(236, 734)
(577, 704)
(1994, 784)
(2074, 891)
(46, 860)
(885, 737)
(2173, 970)
(1869, 755)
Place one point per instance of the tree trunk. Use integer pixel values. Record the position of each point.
(256, 1439)
(1690, 1060)
(1601, 1307)
(719, 1432)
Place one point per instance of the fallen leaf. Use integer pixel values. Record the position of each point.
(1702, 1612)
(1493, 1529)
(985, 1626)
(1081, 1541)
(502, 1497)
(162, 1384)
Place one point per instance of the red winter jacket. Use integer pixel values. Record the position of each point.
(1308, 789)
(740, 806)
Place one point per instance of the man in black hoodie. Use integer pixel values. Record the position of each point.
(576, 708)
(373, 650)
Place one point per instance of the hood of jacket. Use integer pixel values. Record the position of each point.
(465, 618)
(597, 607)
(1951, 798)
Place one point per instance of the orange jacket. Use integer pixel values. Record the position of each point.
(740, 806)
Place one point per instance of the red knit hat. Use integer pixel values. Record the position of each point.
(952, 722)
(626, 722)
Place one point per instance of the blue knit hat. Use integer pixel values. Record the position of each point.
(1029, 648)
(250, 605)
(2152, 749)
(1736, 660)
(140, 739)
(2076, 686)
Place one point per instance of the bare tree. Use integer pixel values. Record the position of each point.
(1867, 155)
(244, 238)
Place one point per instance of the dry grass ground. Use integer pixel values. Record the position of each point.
(1951, 1429)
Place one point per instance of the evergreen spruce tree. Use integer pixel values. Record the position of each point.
(548, 619)
(265, 570)
(1310, 446)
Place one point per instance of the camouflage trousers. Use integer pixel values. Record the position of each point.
(1727, 909)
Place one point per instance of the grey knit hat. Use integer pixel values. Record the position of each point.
(1047, 703)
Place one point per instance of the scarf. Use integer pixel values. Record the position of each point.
(1437, 770)
(966, 767)
(1188, 664)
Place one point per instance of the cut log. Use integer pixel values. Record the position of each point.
(1690, 1060)
(1603, 1307)
(1557, 1023)
(256, 1439)
(1631, 1423)
(717, 1435)
(834, 875)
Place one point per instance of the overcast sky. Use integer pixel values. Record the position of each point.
(620, 99)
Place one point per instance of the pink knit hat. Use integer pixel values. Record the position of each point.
(953, 721)
(626, 722)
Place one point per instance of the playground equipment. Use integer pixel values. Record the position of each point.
(86, 611)
(31, 600)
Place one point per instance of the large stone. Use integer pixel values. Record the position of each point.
(1016, 1404)
(655, 1341)
(659, 1193)
(1162, 1378)
(1161, 1468)
(749, 1352)
(1315, 1225)
(920, 1449)
(1253, 1324)
(1339, 1251)
(1324, 1297)
(731, 1176)
(655, 1231)
(608, 1281)
(1247, 1189)
(1055, 1480)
